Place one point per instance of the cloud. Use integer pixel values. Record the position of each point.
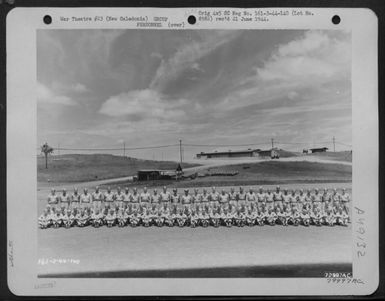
(187, 55)
(46, 95)
(140, 104)
(316, 56)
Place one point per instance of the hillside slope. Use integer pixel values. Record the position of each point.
(84, 167)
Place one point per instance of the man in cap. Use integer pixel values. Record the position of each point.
(186, 200)
(205, 200)
(65, 199)
(165, 196)
(53, 199)
(336, 198)
(156, 199)
(286, 200)
(85, 199)
(75, 199)
(145, 198)
(135, 199)
(97, 199)
(224, 199)
(175, 200)
(196, 197)
(278, 198)
(214, 197)
(344, 201)
(126, 198)
(317, 200)
(241, 199)
(269, 200)
(118, 199)
(325, 199)
(261, 198)
(251, 198)
(109, 198)
(233, 197)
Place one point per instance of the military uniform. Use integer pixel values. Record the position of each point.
(85, 200)
(109, 198)
(75, 200)
(97, 199)
(65, 200)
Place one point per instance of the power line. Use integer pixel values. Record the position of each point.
(117, 149)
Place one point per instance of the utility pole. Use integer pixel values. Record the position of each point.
(124, 148)
(272, 142)
(180, 150)
(334, 144)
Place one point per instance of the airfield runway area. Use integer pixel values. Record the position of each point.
(268, 251)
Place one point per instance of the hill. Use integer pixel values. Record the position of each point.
(85, 167)
(345, 156)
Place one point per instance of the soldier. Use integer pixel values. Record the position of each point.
(126, 198)
(175, 200)
(286, 200)
(120, 217)
(156, 199)
(44, 220)
(293, 200)
(224, 199)
(53, 199)
(325, 199)
(66, 219)
(317, 199)
(96, 218)
(205, 200)
(261, 198)
(186, 200)
(301, 200)
(85, 199)
(145, 198)
(135, 199)
(214, 197)
(196, 197)
(97, 199)
(241, 199)
(119, 199)
(75, 199)
(278, 198)
(308, 201)
(109, 198)
(335, 198)
(344, 201)
(165, 196)
(269, 200)
(233, 197)
(65, 200)
(250, 198)
(110, 218)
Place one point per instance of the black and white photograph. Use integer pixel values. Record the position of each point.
(194, 153)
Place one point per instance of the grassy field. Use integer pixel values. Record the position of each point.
(262, 173)
(344, 156)
(81, 168)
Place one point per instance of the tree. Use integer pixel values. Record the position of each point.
(46, 150)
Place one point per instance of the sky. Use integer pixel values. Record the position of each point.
(215, 88)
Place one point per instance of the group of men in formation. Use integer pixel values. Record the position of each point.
(239, 208)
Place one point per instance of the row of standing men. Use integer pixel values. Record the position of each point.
(270, 199)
